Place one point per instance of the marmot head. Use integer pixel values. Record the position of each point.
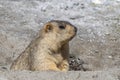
(59, 31)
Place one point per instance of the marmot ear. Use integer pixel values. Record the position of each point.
(48, 27)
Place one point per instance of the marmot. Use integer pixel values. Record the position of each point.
(48, 51)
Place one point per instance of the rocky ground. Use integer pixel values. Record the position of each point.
(71, 75)
(95, 49)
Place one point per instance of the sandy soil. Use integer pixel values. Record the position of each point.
(71, 75)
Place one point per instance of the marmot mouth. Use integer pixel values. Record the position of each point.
(75, 29)
(71, 38)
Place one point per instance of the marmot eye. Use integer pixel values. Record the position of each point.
(62, 27)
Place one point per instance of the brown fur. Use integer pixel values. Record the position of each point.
(50, 50)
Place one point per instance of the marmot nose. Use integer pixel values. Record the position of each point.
(75, 29)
